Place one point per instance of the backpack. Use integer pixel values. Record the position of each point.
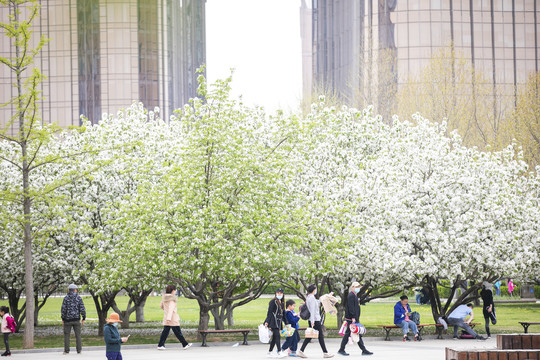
(11, 323)
(415, 317)
(304, 312)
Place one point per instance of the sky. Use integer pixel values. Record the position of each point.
(260, 39)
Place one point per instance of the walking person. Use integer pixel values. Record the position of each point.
(497, 287)
(72, 311)
(171, 319)
(273, 321)
(457, 319)
(402, 311)
(7, 327)
(352, 314)
(292, 319)
(510, 287)
(314, 321)
(112, 338)
(489, 306)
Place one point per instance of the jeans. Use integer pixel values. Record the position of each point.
(345, 339)
(176, 330)
(418, 299)
(76, 325)
(292, 341)
(498, 291)
(113, 356)
(406, 325)
(316, 326)
(459, 323)
(275, 340)
(6, 341)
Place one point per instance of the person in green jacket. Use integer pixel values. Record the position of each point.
(112, 337)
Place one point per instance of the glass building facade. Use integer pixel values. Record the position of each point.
(353, 40)
(105, 54)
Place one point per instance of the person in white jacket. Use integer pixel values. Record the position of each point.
(6, 330)
(314, 307)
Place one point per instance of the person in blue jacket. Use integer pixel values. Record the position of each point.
(112, 337)
(292, 319)
(402, 311)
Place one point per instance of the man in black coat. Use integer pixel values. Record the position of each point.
(352, 315)
(72, 311)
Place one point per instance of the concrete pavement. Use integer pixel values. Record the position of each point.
(383, 350)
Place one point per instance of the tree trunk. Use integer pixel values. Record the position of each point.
(219, 318)
(230, 316)
(204, 319)
(28, 341)
(139, 311)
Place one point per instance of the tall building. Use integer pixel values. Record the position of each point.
(105, 54)
(361, 45)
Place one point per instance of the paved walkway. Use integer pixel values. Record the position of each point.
(429, 349)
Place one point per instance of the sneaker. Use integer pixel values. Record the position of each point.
(406, 338)
(489, 337)
(6, 353)
(271, 355)
(455, 338)
(367, 352)
(187, 346)
(417, 337)
(161, 347)
(282, 354)
(480, 338)
(293, 354)
(343, 353)
(327, 355)
(301, 354)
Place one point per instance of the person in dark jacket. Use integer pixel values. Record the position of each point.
(352, 315)
(112, 338)
(292, 319)
(274, 318)
(489, 306)
(72, 311)
(402, 311)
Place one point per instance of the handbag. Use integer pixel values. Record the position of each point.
(264, 334)
(287, 331)
(311, 333)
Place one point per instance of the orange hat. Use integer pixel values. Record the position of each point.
(113, 318)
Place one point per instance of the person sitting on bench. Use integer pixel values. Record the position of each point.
(457, 318)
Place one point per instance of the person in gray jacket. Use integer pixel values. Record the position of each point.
(72, 311)
(314, 307)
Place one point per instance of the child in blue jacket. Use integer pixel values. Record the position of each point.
(292, 319)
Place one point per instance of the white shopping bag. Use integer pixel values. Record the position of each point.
(264, 334)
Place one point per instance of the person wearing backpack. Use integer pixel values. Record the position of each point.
(352, 315)
(8, 326)
(273, 321)
(314, 306)
(402, 313)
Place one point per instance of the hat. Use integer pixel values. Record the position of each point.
(113, 318)
(355, 284)
(280, 290)
(72, 287)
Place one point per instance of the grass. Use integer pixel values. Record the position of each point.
(253, 314)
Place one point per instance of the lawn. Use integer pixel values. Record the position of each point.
(253, 314)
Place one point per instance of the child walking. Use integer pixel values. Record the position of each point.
(292, 318)
(8, 326)
(112, 337)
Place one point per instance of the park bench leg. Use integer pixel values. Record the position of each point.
(420, 332)
(203, 339)
(439, 330)
(245, 333)
(387, 338)
(526, 328)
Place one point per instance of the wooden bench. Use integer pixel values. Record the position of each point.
(526, 325)
(244, 332)
(388, 328)
(485, 354)
(438, 328)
